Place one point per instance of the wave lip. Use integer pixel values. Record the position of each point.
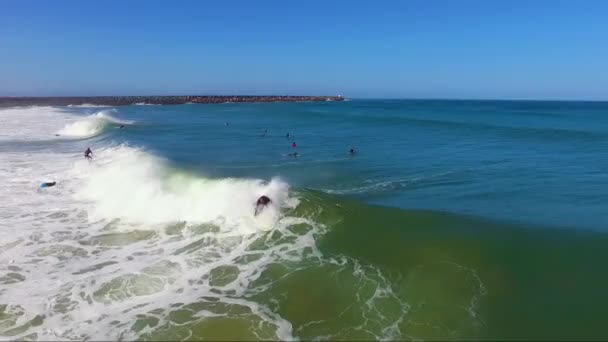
(92, 125)
(138, 187)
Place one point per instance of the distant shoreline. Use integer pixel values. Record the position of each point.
(153, 100)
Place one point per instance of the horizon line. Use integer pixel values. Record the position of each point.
(345, 97)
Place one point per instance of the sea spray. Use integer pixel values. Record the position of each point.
(131, 184)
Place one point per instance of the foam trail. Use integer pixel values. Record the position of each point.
(126, 235)
(77, 263)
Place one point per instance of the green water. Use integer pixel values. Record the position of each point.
(454, 220)
(525, 284)
(395, 274)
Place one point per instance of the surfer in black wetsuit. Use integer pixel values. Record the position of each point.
(352, 151)
(262, 202)
(88, 154)
(47, 184)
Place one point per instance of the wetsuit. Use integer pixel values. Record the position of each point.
(261, 203)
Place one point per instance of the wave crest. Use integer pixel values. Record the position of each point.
(91, 125)
(131, 184)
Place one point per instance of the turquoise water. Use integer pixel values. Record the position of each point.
(522, 161)
(453, 220)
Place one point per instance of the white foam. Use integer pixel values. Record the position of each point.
(32, 123)
(91, 125)
(127, 234)
(45, 123)
(128, 183)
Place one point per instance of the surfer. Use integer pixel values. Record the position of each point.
(122, 126)
(47, 184)
(352, 151)
(295, 154)
(262, 202)
(88, 154)
(293, 144)
(287, 135)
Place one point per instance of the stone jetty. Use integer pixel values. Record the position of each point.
(153, 100)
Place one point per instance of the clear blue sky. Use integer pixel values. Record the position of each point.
(533, 49)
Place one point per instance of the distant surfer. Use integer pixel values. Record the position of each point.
(122, 126)
(352, 151)
(88, 154)
(287, 135)
(295, 154)
(262, 202)
(293, 144)
(47, 184)
(265, 132)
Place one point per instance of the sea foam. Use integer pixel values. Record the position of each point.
(128, 235)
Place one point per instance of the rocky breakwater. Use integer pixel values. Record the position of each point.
(153, 100)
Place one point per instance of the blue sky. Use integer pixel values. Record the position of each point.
(389, 49)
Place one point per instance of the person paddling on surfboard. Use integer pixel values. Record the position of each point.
(262, 202)
(88, 154)
(47, 184)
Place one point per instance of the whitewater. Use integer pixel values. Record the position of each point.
(454, 220)
(125, 237)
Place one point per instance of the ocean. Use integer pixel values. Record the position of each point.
(452, 220)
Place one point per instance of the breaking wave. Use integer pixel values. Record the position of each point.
(91, 125)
